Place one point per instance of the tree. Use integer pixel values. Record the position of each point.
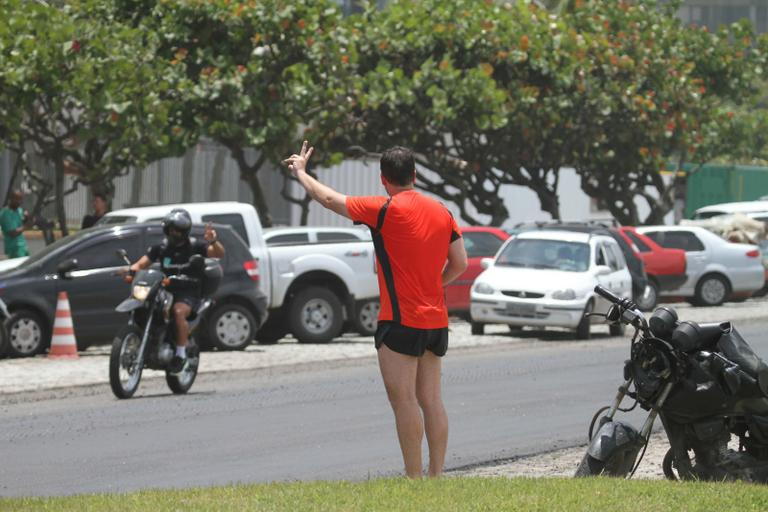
(263, 74)
(485, 92)
(83, 91)
(657, 94)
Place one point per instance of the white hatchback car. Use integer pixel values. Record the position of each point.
(717, 269)
(548, 278)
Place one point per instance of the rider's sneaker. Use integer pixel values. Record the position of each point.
(178, 365)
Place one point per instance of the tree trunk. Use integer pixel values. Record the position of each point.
(258, 200)
(550, 203)
(250, 173)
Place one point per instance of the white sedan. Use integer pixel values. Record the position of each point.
(716, 269)
(547, 278)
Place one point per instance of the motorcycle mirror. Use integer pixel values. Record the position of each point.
(65, 267)
(123, 254)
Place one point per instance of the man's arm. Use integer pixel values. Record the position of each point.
(457, 261)
(215, 248)
(143, 263)
(323, 194)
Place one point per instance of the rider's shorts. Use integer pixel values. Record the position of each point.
(410, 340)
(192, 300)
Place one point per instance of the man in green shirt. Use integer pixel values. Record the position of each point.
(13, 222)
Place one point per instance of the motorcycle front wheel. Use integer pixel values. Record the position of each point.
(182, 382)
(590, 466)
(124, 365)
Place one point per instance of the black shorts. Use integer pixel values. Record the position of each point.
(410, 340)
(190, 299)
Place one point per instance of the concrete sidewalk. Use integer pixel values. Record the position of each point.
(40, 373)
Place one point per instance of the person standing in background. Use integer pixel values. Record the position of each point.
(13, 221)
(100, 207)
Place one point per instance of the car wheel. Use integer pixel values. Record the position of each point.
(711, 290)
(231, 327)
(477, 328)
(27, 333)
(584, 329)
(648, 300)
(315, 315)
(366, 317)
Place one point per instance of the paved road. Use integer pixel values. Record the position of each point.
(326, 421)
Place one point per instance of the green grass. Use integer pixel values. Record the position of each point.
(598, 494)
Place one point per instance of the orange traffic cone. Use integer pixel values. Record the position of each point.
(63, 344)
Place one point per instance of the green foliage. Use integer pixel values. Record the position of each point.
(83, 88)
(655, 91)
(260, 75)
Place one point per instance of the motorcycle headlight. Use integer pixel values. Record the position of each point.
(140, 292)
(567, 294)
(484, 288)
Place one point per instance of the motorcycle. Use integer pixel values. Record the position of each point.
(148, 341)
(703, 381)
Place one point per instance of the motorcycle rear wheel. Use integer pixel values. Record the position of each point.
(182, 383)
(124, 370)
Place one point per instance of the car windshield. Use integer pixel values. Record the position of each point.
(108, 220)
(545, 254)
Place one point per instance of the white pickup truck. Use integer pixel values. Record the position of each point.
(315, 289)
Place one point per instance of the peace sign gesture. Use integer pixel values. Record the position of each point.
(298, 163)
(210, 233)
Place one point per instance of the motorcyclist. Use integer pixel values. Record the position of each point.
(173, 253)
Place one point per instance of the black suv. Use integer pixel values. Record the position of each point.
(94, 289)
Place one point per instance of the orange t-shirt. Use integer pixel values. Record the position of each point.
(411, 235)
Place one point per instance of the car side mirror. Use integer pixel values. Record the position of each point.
(65, 267)
(486, 263)
(603, 270)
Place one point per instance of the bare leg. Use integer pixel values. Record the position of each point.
(435, 417)
(399, 374)
(180, 313)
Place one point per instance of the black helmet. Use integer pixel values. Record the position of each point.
(180, 221)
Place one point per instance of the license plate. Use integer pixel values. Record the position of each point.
(520, 309)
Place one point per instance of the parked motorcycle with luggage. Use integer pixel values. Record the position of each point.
(707, 386)
(148, 340)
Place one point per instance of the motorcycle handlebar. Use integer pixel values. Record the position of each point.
(606, 294)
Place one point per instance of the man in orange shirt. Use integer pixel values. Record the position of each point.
(419, 249)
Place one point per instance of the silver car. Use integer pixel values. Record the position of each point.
(716, 269)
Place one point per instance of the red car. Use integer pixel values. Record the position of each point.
(665, 267)
(480, 242)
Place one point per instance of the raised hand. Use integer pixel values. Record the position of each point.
(210, 233)
(298, 163)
